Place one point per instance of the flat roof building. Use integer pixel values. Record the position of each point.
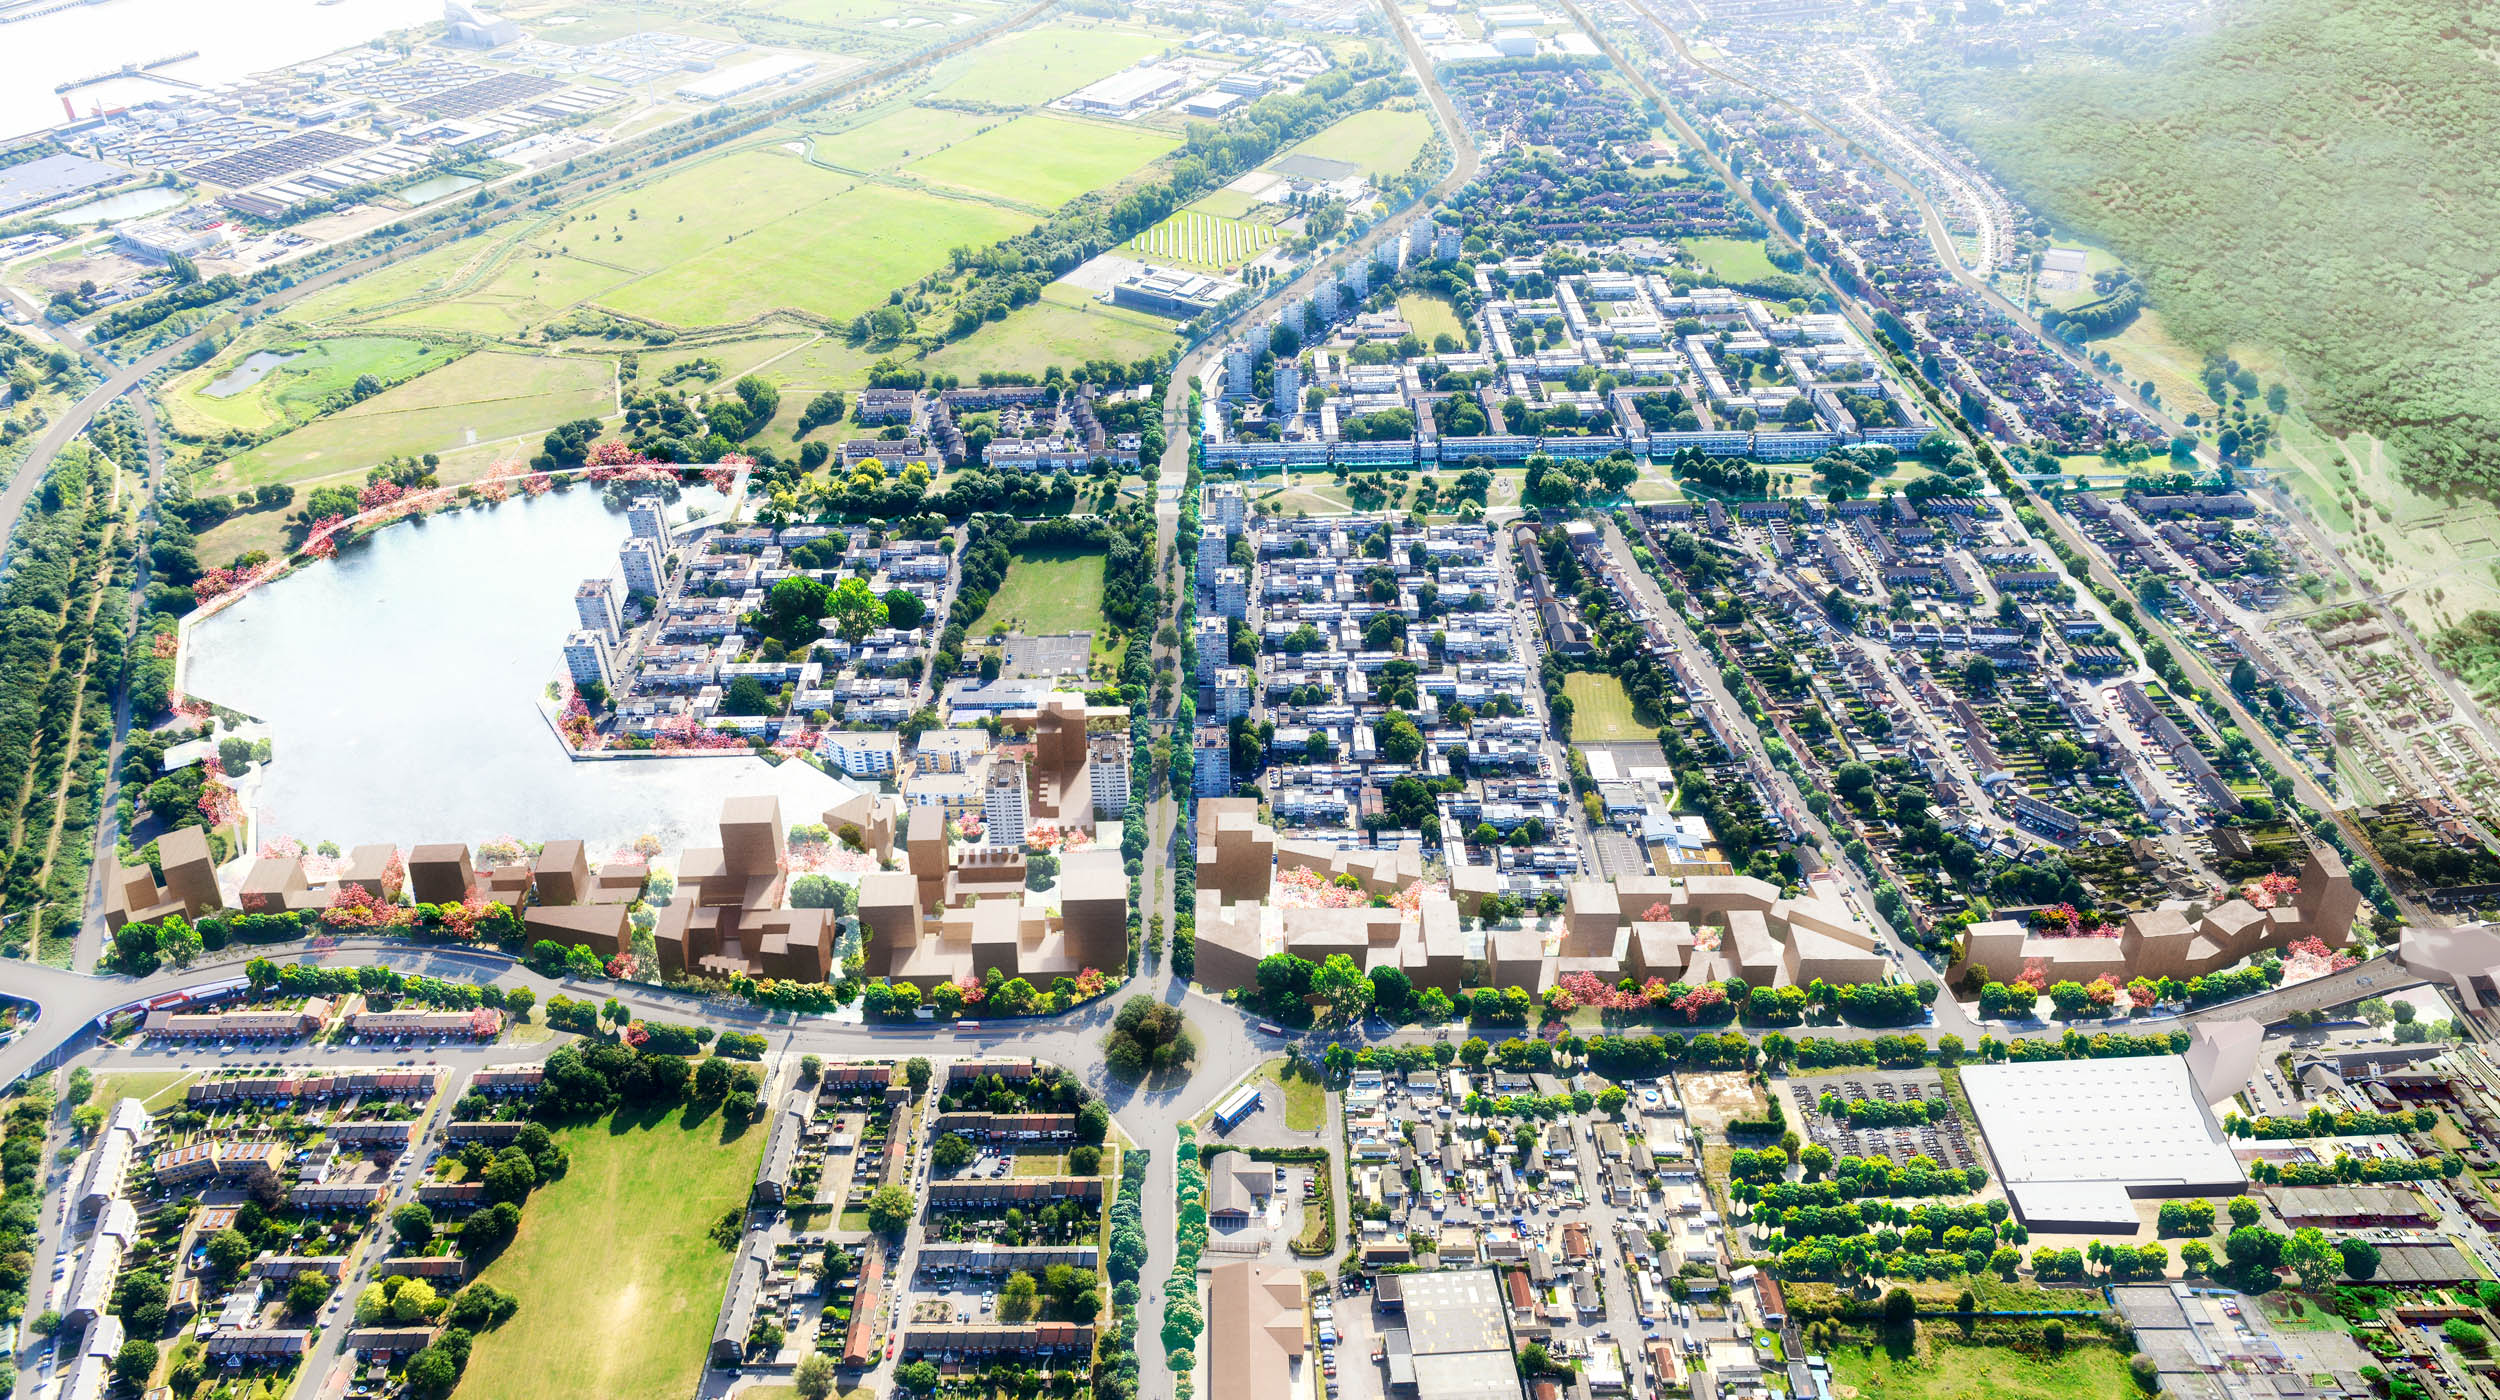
(1456, 1344)
(2076, 1142)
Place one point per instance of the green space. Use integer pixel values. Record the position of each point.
(1384, 141)
(1046, 591)
(1601, 710)
(1034, 66)
(1306, 1099)
(1227, 204)
(693, 209)
(154, 1089)
(1938, 1370)
(529, 288)
(424, 274)
(1195, 238)
(1731, 259)
(836, 260)
(314, 380)
(894, 138)
(1044, 161)
(1066, 327)
(830, 12)
(481, 398)
(734, 359)
(618, 1277)
(1431, 316)
(2269, 166)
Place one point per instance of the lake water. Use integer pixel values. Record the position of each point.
(254, 369)
(434, 187)
(129, 204)
(402, 679)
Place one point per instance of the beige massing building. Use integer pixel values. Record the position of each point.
(1690, 929)
(1048, 752)
(955, 912)
(2166, 941)
(131, 893)
(1257, 1337)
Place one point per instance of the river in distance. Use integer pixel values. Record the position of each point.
(401, 683)
(234, 38)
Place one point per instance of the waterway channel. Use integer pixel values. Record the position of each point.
(402, 683)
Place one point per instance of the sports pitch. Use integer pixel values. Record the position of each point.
(1043, 161)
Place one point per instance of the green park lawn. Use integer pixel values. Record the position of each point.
(1731, 259)
(837, 259)
(426, 273)
(1601, 711)
(1034, 66)
(895, 137)
(1431, 316)
(528, 289)
(1065, 327)
(1043, 161)
(303, 387)
(698, 207)
(1306, 1099)
(1944, 1371)
(155, 1089)
(484, 397)
(618, 1279)
(1047, 591)
(1382, 141)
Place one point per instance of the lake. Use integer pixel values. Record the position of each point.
(254, 369)
(434, 187)
(129, 204)
(401, 681)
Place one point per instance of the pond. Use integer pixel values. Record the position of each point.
(434, 187)
(129, 204)
(254, 369)
(402, 681)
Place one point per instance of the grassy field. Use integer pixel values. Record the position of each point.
(1065, 327)
(896, 137)
(1045, 592)
(1382, 141)
(1943, 1371)
(618, 1278)
(699, 207)
(1043, 161)
(1431, 316)
(479, 399)
(2258, 168)
(1306, 1099)
(1731, 259)
(1601, 712)
(297, 390)
(836, 260)
(1193, 238)
(735, 358)
(155, 1089)
(1034, 66)
(1226, 204)
(528, 289)
(394, 282)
